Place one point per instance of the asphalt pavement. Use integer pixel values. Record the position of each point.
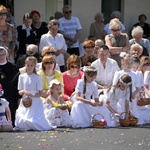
(121, 138)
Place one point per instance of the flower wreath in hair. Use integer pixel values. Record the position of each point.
(125, 83)
(89, 69)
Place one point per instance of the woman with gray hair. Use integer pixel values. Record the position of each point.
(117, 42)
(97, 27)
(137, 34)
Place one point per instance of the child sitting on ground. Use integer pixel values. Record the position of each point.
(54, 105)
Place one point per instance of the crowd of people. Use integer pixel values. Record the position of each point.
(66, 83)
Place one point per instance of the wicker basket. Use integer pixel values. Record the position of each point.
(97, 123)
(133, 121)
(143, 101)
(27, 101)
(124, 122)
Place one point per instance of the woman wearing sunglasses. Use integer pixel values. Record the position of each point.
(116, 41)
(48, 73)
(71, 76)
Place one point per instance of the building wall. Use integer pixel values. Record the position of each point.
(132, 9)
(85, 10)
(23, 6)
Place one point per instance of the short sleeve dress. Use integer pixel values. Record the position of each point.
(31, 118)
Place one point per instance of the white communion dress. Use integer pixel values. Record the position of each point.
(56, 116)
(117, 98)
(31, 118)
(81, 112)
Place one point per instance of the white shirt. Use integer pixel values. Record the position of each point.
(58, 42)
(70, 27)
(91, 89)
(105, 75)
(27, 29)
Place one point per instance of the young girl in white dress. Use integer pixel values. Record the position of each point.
(86, 101)
(140, 112)
(118, 97)
(147, 88)
(30, 84)
(53, 112)
(5, 120)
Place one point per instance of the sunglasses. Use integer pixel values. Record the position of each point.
(50, 53)
(88, 47)
(146, 64)
(115, 30)
(49, 62)
(3, 14)
(74, 67)
(68, 12)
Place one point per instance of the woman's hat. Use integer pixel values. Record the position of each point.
(55, 81)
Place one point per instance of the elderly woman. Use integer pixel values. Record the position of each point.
(97, 27)
(7, 34)
(136, 49)
(52, 38)
(144, 64)
(88, 57)
(98, 44)
(71, 76)
(137, 34)
(117, 42)
(145, 26)
(114, 14)
(48, 73)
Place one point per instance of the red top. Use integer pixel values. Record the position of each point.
(70, 82)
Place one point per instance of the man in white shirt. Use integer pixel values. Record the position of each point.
(106, 68)
(70, 27)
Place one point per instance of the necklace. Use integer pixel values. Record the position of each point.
(73, 80)
(37, 25)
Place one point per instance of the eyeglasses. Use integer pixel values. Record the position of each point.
(115, 30)
(49, 62)
(50, 53)
(74, 67)
(68, 12)
(88, 47)
(146, 64)
(3, 14)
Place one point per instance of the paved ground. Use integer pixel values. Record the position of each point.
(129, 138)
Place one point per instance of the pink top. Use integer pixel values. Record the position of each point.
(70, 83)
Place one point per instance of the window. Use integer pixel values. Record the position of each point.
(108, 6)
